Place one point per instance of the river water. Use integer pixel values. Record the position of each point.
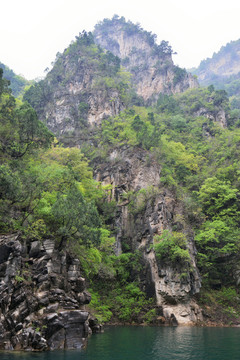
(149, 343)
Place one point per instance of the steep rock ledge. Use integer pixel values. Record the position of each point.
(130, 170)
(42, 297)
(151, 65)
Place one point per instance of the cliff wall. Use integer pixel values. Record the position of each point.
(151, 65)
(152, 210)
(42, 297)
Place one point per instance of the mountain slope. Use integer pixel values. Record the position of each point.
(85, 85)
(17, 82)
(161, 166)
(150, 64)
(223, 71)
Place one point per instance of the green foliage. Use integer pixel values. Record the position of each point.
(171, 248)
(218, 198)
(179, 75)
(150, 316)
(217, 242)
(222, 304)
(19, 279)
(126, 304)
(35, 231)
(21, 131)
(129, 303)
(71, 215)
(101, 311)
(17, 83)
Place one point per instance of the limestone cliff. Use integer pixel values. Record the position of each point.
(42, 297)
(152, 210)
(81, 89)
(151, 65)
(87, 84)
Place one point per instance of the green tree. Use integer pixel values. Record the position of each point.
(217, 244)
(74, 217)
(218, 198)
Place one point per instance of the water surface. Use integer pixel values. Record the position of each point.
(149, 343)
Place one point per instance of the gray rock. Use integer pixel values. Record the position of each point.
(41, 293)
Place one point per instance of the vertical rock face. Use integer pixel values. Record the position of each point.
(151, 65)
(42, 297)
(153, 210)
(80, 91)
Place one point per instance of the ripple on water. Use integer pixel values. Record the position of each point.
(150, 343)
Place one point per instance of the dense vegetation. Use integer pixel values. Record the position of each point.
(200, 164)
(18, 84)
(48, 190)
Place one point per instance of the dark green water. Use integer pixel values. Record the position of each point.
(150, 343)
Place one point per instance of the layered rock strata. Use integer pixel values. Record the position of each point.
(42, 297)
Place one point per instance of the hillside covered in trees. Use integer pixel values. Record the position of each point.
(17, 83)
(139, 187)
(223, 71)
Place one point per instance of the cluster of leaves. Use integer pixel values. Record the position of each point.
(171, 249)
(120, 298)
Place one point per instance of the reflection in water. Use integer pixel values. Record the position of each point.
(197, 344)
(150, 343)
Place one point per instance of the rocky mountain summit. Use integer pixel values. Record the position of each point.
(150, 64)
(99, 75)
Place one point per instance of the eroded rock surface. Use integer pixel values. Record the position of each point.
(42, 297)
(152, 210)
(152, 70)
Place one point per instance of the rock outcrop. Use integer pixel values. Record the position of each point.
(80, 91)
(42, 297)
(152, 210)
(151, 65)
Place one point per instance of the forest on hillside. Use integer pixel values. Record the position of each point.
(48, 189)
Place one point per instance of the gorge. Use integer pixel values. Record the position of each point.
(120, 198)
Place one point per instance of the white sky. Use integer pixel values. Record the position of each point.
(33, 31)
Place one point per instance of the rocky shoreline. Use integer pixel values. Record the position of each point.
(42, 298)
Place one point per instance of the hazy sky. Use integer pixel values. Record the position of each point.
(33, 31)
